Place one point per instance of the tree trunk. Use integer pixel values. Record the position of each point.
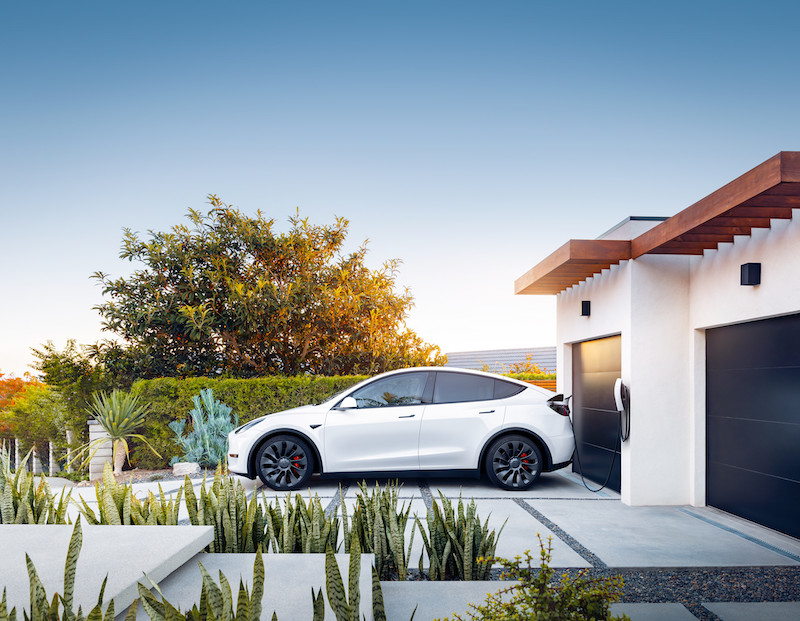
(119, 456)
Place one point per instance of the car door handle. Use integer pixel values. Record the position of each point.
(407, 416)
(487, 412)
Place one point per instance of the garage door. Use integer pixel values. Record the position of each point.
(753, 421)
(595, 367)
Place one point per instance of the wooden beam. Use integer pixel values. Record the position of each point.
(668, 250)
(782, 213)
(581, 257)
(747, 186)
(690, 244)
(699, 237)
(736, 221)
(722, 230)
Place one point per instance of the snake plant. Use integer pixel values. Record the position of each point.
(23, 501)
(380, 526)
(117, 505)
(456, 541)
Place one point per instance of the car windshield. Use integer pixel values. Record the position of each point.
(338, 395)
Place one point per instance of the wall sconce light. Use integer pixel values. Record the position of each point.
(751, 274)
(586, 308)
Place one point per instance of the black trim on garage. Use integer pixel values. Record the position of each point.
(596, 365)
(753, 421)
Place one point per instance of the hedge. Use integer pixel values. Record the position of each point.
(171, 399)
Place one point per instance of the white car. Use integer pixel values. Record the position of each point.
(425, 419)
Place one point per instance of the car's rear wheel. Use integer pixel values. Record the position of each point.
(285, 462)
(513, 462)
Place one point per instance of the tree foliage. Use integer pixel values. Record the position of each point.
(38, 415)
(76, 372)
(12, 388)
(227, 294)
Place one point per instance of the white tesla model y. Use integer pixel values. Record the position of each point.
(427, 419)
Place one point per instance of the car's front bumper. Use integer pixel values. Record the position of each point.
(239, 455)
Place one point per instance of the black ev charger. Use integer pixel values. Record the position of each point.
(622, 399)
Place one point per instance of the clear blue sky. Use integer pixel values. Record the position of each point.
(469, 139)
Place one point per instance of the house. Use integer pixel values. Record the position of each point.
(699, 314)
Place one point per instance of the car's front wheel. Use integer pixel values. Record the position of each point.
(513, 462)
(285, 462)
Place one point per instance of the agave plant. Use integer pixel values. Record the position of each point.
(207, 441)
(120, 414)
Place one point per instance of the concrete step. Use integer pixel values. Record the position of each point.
(122, 553)
(289, 579)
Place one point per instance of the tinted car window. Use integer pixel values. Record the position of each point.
(403, 389)
(506, 389)
(457, 387)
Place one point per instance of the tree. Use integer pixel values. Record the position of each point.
(76, 373)
(11, 389)
(37, 416)
(229, 295)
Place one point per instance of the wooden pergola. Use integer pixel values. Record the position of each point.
(769, 191)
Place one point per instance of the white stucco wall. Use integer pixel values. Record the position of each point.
(661, 305)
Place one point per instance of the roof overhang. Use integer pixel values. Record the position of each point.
(770, 190)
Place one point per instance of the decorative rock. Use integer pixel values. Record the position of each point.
(182, 468)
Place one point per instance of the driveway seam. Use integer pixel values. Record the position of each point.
(584, 553)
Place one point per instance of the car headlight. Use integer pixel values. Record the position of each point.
(247, 425)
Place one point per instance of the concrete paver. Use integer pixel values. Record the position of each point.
(624, 536)
(520, 534)
(434, 599)
(747, 611)
(653, 612)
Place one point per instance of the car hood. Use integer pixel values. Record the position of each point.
(299, 411)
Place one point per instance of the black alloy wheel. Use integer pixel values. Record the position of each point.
(513, 462)
(285, 462)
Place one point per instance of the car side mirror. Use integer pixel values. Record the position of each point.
(348, 403)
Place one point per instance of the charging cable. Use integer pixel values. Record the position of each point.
(613, 458)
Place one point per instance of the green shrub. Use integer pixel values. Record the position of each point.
(531, 376)
(207, 441)
(171, 398)
(456, 544)
(538, 598)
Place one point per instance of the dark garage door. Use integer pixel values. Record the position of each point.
(753, 421)
(596, 366)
